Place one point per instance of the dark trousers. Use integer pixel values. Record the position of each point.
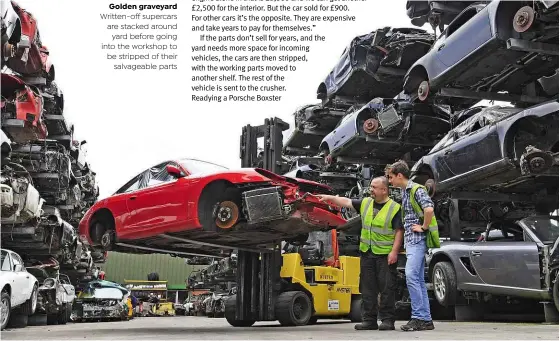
(377, 277)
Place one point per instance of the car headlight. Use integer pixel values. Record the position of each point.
(49, 283)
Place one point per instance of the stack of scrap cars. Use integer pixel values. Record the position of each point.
(46, 183)
(428, 97)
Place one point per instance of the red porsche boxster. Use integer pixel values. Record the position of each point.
(179, 206)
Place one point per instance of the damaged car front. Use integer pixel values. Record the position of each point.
(374, 64)
(56, 293)
(101, 300)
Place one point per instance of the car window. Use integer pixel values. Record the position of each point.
(132, 185)
(545, 228)
(158, 175)
(5, 261)
(461, 20)
(16, 261)
(195, 167)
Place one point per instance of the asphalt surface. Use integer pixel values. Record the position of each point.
(203, 328)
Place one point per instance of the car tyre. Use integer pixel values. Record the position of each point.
(444, 281)
(6, 307)
(30, 305)
(555, 292)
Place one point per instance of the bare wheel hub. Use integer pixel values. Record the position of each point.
(431, 187)
(423, 90)
(523, 19)
(371, 125)
(227, 214)
(9, 50)
(537, 164)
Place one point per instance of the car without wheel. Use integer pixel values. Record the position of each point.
(170, 205)
(19, 290)
(499, 46)
(505, 149)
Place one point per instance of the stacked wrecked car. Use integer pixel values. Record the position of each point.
(429, 98)
(46, 184)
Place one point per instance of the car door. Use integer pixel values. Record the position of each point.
(464, 35)
(22, 279)
(159, 203)
(473, 150)
(11, 276)
(507, 261)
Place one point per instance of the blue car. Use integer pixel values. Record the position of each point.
(501, 46)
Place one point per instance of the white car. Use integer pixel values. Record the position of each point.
(19, 288)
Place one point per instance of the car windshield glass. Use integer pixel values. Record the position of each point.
(545, 228)
(200, 167)
(5, 261)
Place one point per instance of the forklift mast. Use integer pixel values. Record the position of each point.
(271, 131)
(258, 274)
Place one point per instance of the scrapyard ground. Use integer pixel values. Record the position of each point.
(203, 328)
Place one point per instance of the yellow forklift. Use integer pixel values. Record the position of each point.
(314, 283)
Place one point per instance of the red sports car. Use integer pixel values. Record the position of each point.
(22, 110)
(186, 205)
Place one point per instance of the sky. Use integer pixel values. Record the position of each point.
(133, 120)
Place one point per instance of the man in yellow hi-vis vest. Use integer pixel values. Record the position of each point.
(421, 233)
(380, 241)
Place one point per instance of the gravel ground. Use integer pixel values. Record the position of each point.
(202, 328)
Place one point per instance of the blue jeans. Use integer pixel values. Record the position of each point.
(414, 271)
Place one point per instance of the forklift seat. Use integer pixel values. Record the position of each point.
(313, 255)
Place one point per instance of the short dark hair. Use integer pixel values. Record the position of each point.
(400, 167)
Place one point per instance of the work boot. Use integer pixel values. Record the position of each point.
(417, 325)
(387, 325)
(367, 326)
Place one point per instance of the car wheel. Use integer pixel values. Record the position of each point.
(555, 292)
(30, 305)
(444, 281)
(5, 309)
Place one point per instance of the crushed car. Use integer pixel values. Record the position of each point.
(385, 130)
(187, 198)
(22, 110)
(503, 149)
(373, 65)
(101, 300)
(56, 293)
(23, 51)
(495, 46)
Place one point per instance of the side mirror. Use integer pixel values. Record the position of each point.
(83, 142)
(18, 268)
(174, 171)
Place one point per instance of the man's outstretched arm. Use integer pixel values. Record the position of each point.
(337, 201)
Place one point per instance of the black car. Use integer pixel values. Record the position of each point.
(504, 149)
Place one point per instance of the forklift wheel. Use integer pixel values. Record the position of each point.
(229, 314)
(293, 308)
(356, 309)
